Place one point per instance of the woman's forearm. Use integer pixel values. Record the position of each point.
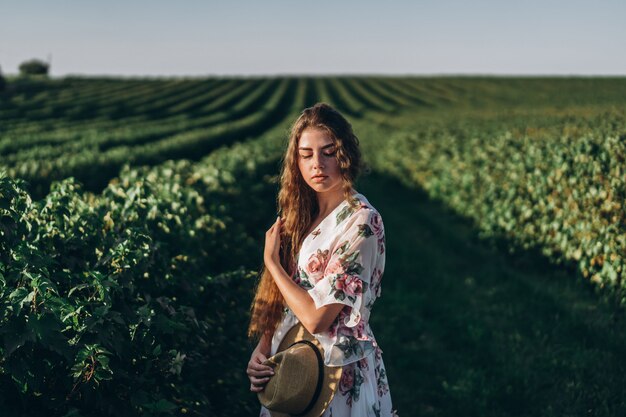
(265, 343)
(296, 297)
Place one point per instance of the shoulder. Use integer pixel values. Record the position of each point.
(364, 215)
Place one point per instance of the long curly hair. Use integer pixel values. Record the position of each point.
(298, 206)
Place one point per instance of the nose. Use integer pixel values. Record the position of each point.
(317, 161)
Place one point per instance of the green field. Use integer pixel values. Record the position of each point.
(131, 230)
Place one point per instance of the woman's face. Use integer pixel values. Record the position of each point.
(317, 157)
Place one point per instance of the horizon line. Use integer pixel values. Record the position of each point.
(333, 74)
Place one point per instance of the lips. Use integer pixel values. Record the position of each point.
(319, 176)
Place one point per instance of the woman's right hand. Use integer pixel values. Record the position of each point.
(258, 373)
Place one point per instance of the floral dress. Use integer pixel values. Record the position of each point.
(342, 261)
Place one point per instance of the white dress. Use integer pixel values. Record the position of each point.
(342, 261)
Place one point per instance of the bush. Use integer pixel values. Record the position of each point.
(34, 67)
(123, 304)
(554, 183)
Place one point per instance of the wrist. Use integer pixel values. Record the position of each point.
(265, 345)
(272, 265)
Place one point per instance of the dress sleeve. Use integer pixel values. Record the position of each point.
(348, 272)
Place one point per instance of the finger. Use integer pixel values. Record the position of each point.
(256, 389)
(259, 381)
(258, 364)
(261, 374)
(257, 367)
(260, 369)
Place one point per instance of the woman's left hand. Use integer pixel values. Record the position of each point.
(272, 243)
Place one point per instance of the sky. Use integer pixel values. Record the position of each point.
(274, 37)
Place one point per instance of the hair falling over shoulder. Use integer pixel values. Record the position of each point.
(297, 205)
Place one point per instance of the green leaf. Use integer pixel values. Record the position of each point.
(161, 406)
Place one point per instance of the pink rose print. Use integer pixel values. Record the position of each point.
(335, 267)
(377, 225)
(350, 285)
(350, 384)
(375, 286)
(315, 265)
(347, 380)
(337, 327)
(359, 331)
(344, 330)
(339, 282)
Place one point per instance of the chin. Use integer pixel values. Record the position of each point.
(319, 188)
(322, 188)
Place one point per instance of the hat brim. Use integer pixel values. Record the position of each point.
(331, 378)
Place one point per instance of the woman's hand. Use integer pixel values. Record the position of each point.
(258, 373)
(272, 243)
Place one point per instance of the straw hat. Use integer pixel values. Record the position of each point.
(301, 385)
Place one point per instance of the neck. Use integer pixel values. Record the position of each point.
(329, 200)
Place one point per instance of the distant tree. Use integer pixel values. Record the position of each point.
(34, 67)
(2, 81)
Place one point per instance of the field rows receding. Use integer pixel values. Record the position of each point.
(95, 167)
(488, 334)
(156, 122)
(88, 129)
(244, 101)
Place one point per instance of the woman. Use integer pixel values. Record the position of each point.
(324, 261)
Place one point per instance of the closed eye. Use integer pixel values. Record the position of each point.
(325, 153)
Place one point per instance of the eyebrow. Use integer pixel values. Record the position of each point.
(323, 147)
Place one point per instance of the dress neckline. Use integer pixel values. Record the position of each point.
(345, 200)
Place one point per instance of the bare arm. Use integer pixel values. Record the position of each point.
(265, 344)
(300, 302)
(297, 298)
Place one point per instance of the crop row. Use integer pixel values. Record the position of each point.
(120, 303)
(132, 301)
(94, 166)
(42, 147)
(78, 104)
(95, 154)
(555, 182)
